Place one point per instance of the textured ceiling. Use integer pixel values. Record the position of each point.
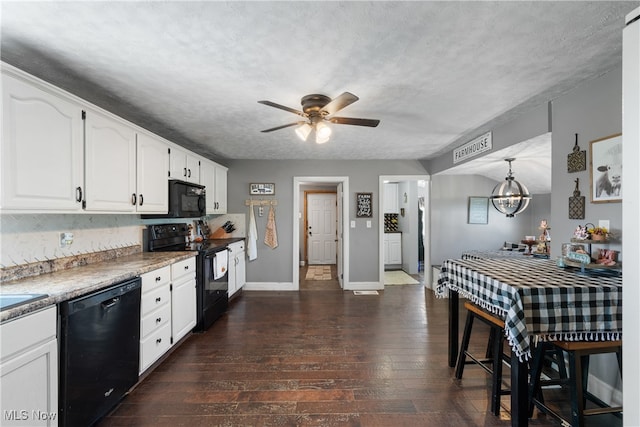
(434, 73)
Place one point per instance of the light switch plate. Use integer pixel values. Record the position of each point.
(368, 223)
(353, 224)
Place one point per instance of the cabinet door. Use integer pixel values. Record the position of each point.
(183, 307)
(208, 179)
(241, 270)
(385, 247)
(184, 166)
(41, 149)
(391, 198)
(221, 190)
(395, 249)
(110, 164)
(152, 160)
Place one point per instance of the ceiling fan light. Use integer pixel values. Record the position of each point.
(323, 133)
(304, 131)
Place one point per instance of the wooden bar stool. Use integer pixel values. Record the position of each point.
(578, 355)
(492, 363)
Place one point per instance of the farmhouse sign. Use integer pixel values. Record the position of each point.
(472, 148)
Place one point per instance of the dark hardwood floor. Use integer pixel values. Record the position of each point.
(320, 357)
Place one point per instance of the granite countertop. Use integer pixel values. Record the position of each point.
(74, 282)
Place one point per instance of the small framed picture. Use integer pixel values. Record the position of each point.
(364, 205)
(606, 169)
(478, 210)
(262, 189)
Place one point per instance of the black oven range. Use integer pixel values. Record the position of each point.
(212, 282)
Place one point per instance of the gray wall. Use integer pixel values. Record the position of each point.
(450, 233)
(276, 265)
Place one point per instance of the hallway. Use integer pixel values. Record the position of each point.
(323, 358)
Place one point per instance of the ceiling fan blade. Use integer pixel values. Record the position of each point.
(339, 102)
(282, 107)
(353, 121)
(284, 126)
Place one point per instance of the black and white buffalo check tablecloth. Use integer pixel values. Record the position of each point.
(538, 299)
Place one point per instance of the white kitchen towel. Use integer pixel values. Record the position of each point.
(220, 264)
(252, 236)
(271, 235)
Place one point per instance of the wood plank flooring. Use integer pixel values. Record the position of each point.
(318, 357)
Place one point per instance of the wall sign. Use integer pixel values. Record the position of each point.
(478, 210)
(364, 205)
(473, 148)
(264, 189)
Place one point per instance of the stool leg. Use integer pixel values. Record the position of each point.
(536, 371)
(464, 346)
(577, 405)
(496, 378)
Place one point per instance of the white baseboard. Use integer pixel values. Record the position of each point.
(269, 286)
(605, 392)
(364, 286)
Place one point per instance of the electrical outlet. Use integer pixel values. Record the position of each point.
(66, 239)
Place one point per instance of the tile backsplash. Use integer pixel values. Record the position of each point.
(28, 238)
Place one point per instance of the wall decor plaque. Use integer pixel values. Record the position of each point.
(478, 211)
(364, 205)
(264, 189)
(577, 161)
(576, 203)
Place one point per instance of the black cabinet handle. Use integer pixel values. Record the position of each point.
(158, 299)
(159, 340)
(158, 278)
(141, 200)
(186, 267)
(158, 320)
(133, 199)
(184, 173)
(78, 194)
(189, 176)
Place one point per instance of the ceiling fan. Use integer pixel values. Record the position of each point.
(317, 109)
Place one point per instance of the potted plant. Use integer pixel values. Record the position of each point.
(598, 233)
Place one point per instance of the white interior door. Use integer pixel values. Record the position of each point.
(321, 228)
(339, 248)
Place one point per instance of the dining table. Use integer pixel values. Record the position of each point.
(538, 300)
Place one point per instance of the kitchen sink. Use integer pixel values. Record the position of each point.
(8, 301)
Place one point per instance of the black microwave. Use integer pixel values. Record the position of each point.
(186, 200)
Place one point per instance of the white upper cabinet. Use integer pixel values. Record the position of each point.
(214, 178)
(391, 198)
(152, 165)
(184, 165)
(41, 150)
(110, 164)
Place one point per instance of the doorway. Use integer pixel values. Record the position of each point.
(340, 187)
(414, 219)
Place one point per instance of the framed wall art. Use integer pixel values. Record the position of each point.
(605, 169)
(262, 189)
(478, 212)
(364, 205)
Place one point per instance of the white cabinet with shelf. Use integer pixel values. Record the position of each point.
(41, 149)
(183, 298)
(184, 165)
(155, 316)
(391, 198)
(29, 370)
(214, 178)
(392, 245)
(152, 164)
(237, 267)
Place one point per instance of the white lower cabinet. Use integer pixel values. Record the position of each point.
(392, 245)
(167, 309)
(237, 267)
(155, 316)
(29, 370)
(183, 298)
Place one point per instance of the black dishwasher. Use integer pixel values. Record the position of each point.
(99, 352)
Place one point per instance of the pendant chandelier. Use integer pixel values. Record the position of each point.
(510, 197)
